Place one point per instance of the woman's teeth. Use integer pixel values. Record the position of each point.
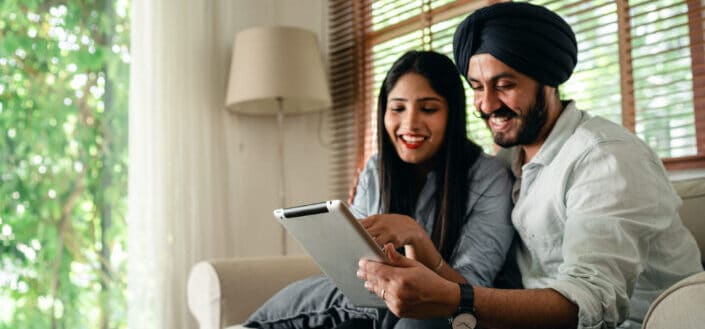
(412, 139)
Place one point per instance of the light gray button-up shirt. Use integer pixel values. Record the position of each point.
(487, 231)
(598, 220)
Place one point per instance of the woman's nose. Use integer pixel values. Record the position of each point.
(411, 117)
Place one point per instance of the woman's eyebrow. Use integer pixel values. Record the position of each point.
(422, 99)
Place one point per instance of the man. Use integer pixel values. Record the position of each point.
(597, 217)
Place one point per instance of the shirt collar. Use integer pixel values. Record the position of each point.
(565, 126)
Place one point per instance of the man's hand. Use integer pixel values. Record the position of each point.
(410, 289)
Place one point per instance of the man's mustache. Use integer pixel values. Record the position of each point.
(503, 111)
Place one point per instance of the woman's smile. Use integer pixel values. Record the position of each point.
(412, 141)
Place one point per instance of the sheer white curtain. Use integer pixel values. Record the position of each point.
(177, 180)
(203, 182)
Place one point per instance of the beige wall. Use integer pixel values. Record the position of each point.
(252, 157)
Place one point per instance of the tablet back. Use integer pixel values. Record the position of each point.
(333, 237)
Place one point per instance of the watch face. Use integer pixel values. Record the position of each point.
(464, 321)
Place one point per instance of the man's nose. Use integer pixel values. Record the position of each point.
(489, 102)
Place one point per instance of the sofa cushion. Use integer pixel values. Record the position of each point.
(690, 186)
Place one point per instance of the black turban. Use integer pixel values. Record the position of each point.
(529, 38)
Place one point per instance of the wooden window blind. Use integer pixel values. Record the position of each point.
(641, 63)
(348, 59)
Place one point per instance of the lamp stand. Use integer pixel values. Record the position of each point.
(282, 177)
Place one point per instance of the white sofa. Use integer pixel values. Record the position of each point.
(223, 293)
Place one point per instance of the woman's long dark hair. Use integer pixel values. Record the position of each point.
(452, 162)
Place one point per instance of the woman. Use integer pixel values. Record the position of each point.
(428, 189)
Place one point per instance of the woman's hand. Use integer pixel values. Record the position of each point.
(396, 229)
(402, 230)
(410, 289)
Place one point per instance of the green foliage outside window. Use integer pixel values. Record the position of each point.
(63, 174)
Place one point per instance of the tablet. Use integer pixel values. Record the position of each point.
(336, 241)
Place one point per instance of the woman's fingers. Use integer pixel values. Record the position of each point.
(369, 221)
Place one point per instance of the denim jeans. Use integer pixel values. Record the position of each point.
(317, 303)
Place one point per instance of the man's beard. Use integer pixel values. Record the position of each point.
(532, 121)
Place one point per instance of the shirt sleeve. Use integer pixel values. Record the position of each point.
(616, 198)
(366, 192)
(488, 232)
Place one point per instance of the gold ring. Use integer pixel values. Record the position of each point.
(383, 292)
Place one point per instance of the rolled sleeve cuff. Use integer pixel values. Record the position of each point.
(592, 313)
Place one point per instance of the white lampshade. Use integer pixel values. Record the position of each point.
(276, 63)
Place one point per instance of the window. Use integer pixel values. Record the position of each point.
(655, 47)
(641, 63)
(63, 118)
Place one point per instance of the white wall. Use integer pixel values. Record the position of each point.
(253, 159)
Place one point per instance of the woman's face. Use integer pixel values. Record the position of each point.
(415, 119)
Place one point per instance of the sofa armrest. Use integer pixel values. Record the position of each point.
(224, 292)
(680, 306)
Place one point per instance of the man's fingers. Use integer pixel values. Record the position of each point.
(370, 267)
(369, 286)
(373, 275)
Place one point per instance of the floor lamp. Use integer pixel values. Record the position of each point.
(277, 70)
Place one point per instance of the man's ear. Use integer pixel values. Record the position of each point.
(551, 95)
(550, 92)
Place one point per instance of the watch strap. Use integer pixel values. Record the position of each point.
(467, 299)
(464, 317)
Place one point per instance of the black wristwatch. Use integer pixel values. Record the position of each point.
(464, 317)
